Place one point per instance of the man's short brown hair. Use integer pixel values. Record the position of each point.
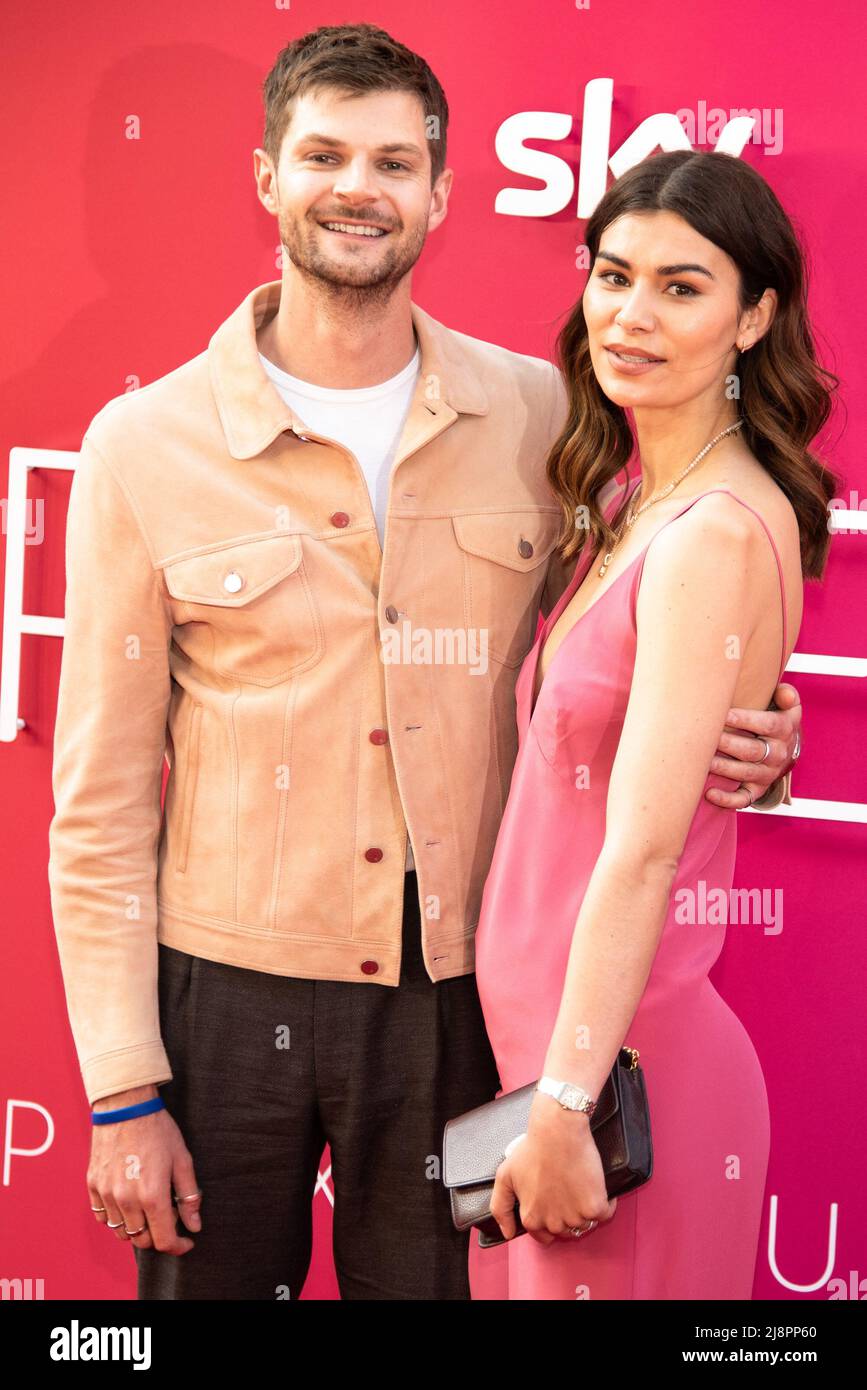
(356, 58)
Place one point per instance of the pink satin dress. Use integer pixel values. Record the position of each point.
(691, 1232)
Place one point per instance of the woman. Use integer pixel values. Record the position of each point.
(686, 600)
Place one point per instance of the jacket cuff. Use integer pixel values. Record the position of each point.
(777, 793)
(120, 1071)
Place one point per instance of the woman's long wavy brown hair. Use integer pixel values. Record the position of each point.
(785, 395)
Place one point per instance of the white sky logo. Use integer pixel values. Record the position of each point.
(660, 131)
(75, 1343)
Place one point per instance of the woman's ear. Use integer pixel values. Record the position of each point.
(763, 314)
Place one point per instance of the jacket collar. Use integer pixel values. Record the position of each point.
(253, 413)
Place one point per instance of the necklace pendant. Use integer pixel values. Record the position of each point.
(605, 563)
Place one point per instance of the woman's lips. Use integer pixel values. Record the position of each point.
(629, 367)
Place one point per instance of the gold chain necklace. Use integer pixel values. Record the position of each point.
(632, 516)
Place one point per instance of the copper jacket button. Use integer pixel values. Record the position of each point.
(391, 614)
(374, 855)
(378, 736)
(369, 967)
(340, 519)
(525, 548)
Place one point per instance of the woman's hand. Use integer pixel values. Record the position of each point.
(555, 1173)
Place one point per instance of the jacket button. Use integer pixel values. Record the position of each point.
(378, 736)
(369, 967)
(374, 855)
(525, 548)
(233, 581)
(340, 519)
(391, 614)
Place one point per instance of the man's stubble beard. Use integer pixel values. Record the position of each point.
(350, 289)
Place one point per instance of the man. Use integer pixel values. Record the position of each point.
(307, 564)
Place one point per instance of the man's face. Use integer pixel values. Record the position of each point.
(353, 195)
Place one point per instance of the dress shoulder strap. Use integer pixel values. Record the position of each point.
(770, 537)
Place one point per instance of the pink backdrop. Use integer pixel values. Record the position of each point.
(121, 257)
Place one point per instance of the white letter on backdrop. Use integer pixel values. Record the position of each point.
(554, 172)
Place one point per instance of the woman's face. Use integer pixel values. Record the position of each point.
(660, 290)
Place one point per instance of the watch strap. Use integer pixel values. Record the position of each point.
(570, 1096)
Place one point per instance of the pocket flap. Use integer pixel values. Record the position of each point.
(234, 573)
(503, 536)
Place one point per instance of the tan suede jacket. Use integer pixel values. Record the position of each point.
(229, 608)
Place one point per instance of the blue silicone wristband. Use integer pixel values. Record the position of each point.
(127, 1112)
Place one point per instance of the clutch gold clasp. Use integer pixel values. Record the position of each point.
(633, 1052)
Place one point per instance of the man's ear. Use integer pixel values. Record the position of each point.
(439, 199)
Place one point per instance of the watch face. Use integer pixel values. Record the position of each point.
(572, 1096)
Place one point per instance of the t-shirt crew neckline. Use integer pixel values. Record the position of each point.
(350, 394)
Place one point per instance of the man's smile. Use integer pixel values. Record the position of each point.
(360, 230)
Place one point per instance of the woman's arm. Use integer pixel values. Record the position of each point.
(697, 608)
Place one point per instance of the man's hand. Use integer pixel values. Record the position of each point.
(742, 755)
(133, 1166)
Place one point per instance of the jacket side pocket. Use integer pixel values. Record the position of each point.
(188, 792)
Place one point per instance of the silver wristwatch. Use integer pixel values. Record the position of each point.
(569, 1096)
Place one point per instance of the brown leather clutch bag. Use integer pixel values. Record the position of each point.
(474, 1144)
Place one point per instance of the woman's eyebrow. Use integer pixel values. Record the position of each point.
(660, 269)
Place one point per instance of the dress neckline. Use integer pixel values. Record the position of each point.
(581, 574)
(567, 595)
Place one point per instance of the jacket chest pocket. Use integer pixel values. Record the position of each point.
(254, 599)
(504, 555)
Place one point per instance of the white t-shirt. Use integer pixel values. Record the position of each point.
(367, 420)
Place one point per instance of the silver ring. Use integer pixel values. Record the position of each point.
(138, 1232)
(767, 752)
(114, 1225)
(797, 753)
(578, 1231)
(191, 1198)
(97, 1208)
